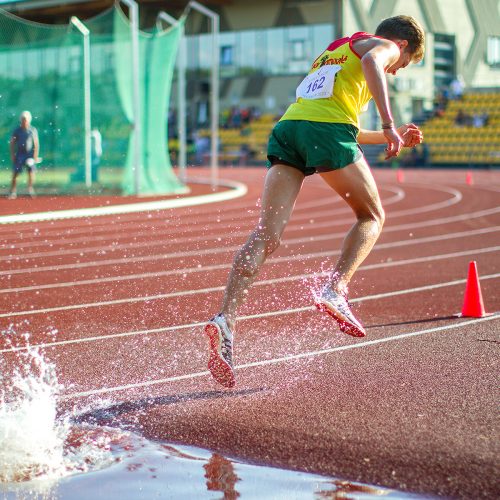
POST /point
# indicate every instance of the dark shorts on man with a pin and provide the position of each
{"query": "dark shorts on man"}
(24, 161)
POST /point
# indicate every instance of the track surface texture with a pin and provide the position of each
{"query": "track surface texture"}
(118, 303)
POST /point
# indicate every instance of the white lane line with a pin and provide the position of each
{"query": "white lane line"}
(118, 222)
(399, 193)
(218, 267)
(233, 248)
(237, 190)
(456, 198)
(251, 212)
(122, 220)
(235, 207)
(320, 214)
(121, 224)
(270, 314)
(147, 298)
(153, 240)
(295, 225)
(283, 359)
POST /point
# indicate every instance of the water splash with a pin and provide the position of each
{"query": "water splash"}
(31, 437)
(35, 442)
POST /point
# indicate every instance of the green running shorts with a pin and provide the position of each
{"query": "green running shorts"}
(313, 147)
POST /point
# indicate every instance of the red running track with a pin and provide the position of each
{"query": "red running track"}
(119, 302)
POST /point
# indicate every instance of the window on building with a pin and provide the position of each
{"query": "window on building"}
(226, 55)
(276, 59)
(247, 50)
(284, 50)
(298, 50)
(322, 35)
(493, 51)
(444, 59)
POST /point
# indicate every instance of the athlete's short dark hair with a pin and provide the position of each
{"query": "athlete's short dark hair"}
(404, 28)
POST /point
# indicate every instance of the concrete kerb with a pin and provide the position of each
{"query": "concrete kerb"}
(237, 190)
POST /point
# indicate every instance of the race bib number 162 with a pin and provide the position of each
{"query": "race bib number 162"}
(318, 85)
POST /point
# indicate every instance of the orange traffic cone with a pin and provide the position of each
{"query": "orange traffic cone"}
(400, 176)
(473, 301)
(469, 180)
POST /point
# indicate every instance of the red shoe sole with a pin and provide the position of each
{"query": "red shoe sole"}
(346, 328)
(219, 369)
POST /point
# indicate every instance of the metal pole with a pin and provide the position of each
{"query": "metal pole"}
(181, 94)
(167, 18)
(86, 93)
(214, 115)
(134, 28)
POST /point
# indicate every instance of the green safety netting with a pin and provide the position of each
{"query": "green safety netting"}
(42, 70)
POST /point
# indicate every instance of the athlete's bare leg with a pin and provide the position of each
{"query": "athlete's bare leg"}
(282, 185)
(355, 183)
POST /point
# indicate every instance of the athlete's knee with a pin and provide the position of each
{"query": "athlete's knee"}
(379, 216)
(375, 216)
(245, 264)
(270, 241)
(259, 246)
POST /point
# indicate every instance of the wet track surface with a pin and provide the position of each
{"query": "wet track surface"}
(119, 302)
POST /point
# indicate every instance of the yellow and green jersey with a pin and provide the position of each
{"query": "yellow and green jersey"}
(350, 94)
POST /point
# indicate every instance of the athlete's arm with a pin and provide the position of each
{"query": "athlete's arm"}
(374, 62)
(409, 133)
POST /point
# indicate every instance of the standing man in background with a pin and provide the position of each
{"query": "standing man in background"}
(24, 147)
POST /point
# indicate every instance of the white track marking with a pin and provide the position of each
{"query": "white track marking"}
(14, 253)
(218, 267)
(131, 219)
(120, 221)
(126, 233)
(330, 253)
(152, 240)
(282, 359)
(399, 194)
(269, 314)
(326, 201)
(207, 290)
(456, 198)
(237, 190)
(233, 248)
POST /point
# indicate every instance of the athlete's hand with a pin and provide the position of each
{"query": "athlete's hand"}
(410, 134)
(394, 142)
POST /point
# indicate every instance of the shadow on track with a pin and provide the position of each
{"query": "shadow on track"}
(108, 415)
(414, 322)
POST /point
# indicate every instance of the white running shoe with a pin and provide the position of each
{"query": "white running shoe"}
(335, 304)
(220, 362)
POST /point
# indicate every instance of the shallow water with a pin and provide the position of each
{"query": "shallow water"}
(145, 470)
(48, 455)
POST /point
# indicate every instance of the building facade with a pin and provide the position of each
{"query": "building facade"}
(266, 46)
